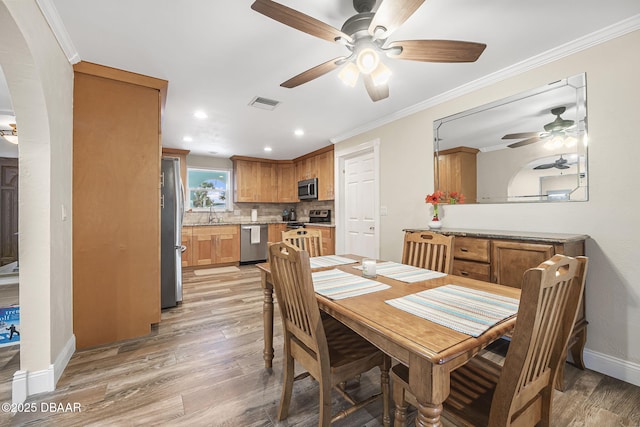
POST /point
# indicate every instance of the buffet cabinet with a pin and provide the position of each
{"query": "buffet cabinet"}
(503, 256)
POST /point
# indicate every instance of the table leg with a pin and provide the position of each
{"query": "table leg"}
(429, 383)
(267, 319)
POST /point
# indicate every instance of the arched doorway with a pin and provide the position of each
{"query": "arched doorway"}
(40, 80)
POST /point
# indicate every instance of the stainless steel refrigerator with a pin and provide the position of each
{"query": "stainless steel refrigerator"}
(172, 210)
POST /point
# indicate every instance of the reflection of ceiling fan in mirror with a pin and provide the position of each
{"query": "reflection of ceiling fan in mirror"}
(10, 135)
(365, 36)
(561, 163)
(552, 129)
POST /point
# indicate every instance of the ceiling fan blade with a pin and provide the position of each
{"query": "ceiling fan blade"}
(521, 135)
(298, 20)
(376, 93)
(391, 14)
(562, 167)
(547, 166)
(438, 50)
(525, 142)
(313, 73)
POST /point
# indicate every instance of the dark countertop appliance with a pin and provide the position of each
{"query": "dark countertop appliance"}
(320, 216)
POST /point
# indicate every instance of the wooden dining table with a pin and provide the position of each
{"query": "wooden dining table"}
(431, 351)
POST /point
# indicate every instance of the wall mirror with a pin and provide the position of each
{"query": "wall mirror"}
(530, 147)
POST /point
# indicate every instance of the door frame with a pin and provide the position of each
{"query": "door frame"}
(340, 155)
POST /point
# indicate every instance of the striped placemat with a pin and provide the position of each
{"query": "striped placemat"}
(404, 272)
(465, 310)
(337, 284)
(329, 261)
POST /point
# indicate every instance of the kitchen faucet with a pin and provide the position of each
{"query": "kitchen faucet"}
(212, 214)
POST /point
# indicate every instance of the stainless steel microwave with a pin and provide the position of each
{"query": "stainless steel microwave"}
(308, 189)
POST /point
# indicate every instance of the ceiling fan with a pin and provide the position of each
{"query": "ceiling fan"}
(561, 163)
(365, 36)
(554, 128)
(10, 135)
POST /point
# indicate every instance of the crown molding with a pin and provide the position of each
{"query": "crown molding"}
(608, 33)
(52, 17)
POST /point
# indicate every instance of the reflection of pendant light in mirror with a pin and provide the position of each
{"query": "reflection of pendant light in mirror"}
(560, 140)
(10, 135)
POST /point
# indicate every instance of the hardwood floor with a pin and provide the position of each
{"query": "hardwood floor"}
(203, 366)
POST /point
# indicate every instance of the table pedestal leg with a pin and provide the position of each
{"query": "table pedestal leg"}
(267, 319)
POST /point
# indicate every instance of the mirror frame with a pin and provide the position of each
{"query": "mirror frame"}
(530, 101)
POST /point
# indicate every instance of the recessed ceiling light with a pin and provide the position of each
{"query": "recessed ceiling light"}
(298, 132)
(187, 139)
(267, 149)
(200, 114)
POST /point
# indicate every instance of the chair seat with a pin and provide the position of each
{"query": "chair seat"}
(348, 350)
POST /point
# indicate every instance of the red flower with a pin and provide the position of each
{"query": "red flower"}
(435, 198)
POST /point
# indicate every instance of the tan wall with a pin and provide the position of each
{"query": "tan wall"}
(609, 217)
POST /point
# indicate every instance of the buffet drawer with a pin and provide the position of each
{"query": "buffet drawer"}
(471, 269)
(472, 249)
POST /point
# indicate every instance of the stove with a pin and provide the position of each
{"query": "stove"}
(320, 215)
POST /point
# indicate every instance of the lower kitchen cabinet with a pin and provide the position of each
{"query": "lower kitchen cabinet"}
(214, 244)
(275, 232)
(187, 254)
(328, 238)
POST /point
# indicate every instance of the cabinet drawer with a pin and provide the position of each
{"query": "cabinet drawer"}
(473, 270)
(472, 249)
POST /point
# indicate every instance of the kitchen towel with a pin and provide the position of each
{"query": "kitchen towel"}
(336, 284)
(255, 234)
(462, 309)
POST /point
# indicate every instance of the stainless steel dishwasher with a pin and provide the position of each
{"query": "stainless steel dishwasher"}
(253, 242)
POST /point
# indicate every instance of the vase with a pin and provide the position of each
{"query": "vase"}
(434, 223)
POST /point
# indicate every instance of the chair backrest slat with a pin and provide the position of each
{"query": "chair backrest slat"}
(428, 250)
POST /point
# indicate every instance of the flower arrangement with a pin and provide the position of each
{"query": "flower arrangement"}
(439, 197)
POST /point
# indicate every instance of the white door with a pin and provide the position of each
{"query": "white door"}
(360, 198)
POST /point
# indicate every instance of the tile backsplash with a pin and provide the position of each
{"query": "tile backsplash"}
(267, 212)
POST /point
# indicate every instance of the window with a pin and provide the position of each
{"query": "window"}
(209, 188)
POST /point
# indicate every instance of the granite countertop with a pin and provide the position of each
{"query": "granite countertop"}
(507, 234)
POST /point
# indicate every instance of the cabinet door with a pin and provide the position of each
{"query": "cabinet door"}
(512, 259)
(275, 232)
(203, 246)
(267, 190)
(307, 168)
(226, 248)
(325, 175)
(246, 180)
(287, 184)
(187, 255)
(328, 241)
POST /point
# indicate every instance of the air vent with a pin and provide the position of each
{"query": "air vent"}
(264, 103)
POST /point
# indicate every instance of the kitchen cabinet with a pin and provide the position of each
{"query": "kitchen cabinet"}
(328, 238)
(325, 167)
(215, 244)
(287, 184)
(245, 180)
(307, 168)
(503, 257)
(116, 226)
(456, 171)
(275, 232)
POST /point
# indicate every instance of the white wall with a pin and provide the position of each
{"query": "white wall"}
(610, 216)
(40, 80)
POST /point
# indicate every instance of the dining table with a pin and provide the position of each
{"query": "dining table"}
(429, 349)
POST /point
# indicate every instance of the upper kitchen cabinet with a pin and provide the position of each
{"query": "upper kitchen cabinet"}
(318, 164)
(287, 188)
(116, 203)
(456, 172)
(254, 180)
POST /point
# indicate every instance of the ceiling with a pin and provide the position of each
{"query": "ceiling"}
(218, 56)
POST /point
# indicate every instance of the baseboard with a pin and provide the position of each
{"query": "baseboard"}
(26, 383)
(617, 368)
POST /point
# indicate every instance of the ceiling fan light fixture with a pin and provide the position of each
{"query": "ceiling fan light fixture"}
(349, 74)
(367, 60)
(381, 74)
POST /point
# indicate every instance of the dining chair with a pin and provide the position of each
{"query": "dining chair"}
(520, 392)
(429, 250)
(329, 351)
(307, 240)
